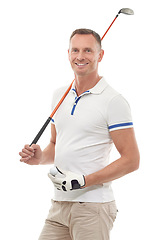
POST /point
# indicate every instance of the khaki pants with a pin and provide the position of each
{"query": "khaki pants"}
(79, 221)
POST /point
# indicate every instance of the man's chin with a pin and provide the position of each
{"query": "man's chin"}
(80, 73)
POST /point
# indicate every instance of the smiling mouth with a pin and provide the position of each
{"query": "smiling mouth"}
(81, 64)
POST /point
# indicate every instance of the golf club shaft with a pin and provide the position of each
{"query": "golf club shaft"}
(51, 116)
(109, 27)
(41, 131)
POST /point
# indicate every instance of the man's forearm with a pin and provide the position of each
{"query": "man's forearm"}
(48, 154)
(113, 171)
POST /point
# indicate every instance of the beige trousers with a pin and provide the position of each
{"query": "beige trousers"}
(79, 221)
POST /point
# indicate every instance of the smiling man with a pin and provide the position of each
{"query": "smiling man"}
(92, 117)
(85, 53)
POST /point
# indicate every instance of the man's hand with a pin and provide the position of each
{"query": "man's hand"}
(67, 181)
(31, 154)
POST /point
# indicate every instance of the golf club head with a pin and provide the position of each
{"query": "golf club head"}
(127, 11)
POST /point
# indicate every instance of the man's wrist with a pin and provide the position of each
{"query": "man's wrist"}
(86, 181)
(91, 180)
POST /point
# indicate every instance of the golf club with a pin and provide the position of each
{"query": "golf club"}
(127, 11)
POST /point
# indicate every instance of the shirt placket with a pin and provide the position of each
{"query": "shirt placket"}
(77, 98)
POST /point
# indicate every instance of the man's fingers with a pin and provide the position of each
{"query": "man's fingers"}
(29, 148)
(35, 147)
(31, 154)
(27, 152)
(23, 155)
(24, 159)
(51, 177)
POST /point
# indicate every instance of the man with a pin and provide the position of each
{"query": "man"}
(92, 117)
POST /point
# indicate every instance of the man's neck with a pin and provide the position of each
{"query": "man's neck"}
(84, 83)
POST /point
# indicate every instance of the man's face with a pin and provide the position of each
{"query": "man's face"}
(84, 54)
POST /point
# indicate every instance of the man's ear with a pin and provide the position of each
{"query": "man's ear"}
(68, 54)
(101, 54)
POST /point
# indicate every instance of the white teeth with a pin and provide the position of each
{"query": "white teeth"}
(80, 64)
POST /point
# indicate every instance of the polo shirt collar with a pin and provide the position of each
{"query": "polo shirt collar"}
(97, 89)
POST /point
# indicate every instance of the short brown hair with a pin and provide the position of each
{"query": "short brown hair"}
(87, 31)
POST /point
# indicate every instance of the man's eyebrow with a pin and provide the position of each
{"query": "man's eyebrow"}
(74, 48)
(86, 48)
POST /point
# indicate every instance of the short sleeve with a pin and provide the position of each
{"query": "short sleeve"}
(119, 114)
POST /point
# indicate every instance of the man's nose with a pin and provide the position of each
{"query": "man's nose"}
(80, 56)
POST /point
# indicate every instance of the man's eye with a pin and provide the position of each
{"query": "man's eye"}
(74, 50)
(88, 50)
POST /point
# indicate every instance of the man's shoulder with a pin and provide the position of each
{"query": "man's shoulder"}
(60, 91)
(109, 92)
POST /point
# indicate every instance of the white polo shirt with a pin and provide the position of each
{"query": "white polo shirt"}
(83, 143)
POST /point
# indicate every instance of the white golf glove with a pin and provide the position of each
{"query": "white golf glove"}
(66, 180)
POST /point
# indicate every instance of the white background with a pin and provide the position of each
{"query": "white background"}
(33, 63)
